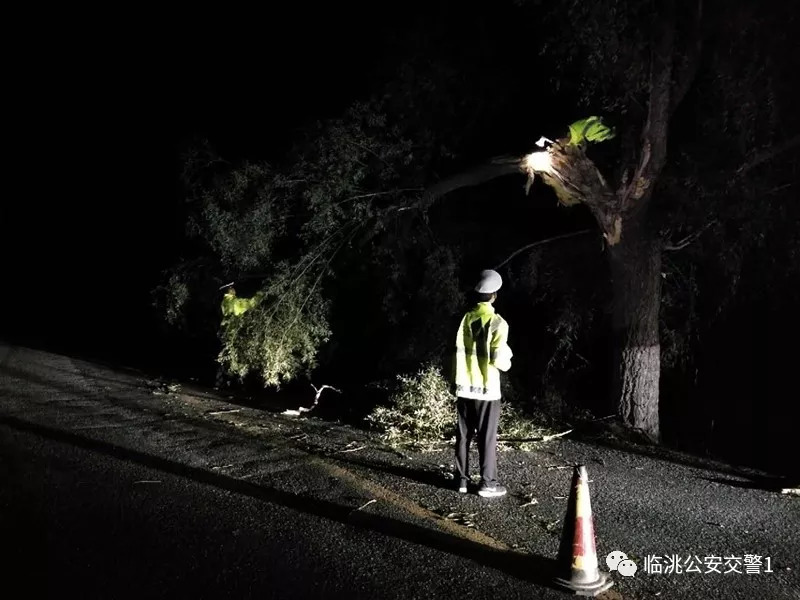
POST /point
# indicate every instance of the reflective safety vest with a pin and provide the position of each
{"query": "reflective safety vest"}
(481, 353)
(233, 306)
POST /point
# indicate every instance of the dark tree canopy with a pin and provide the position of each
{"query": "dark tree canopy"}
(365, 236)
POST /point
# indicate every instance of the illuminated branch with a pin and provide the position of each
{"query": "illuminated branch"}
(499, 167)
(302, 409)
(562, 166)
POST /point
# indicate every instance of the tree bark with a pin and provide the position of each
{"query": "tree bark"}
(636, 283)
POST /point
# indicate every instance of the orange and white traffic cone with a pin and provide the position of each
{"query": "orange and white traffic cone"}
(578, 570)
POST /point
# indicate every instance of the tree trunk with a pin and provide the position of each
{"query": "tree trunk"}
(636, 284)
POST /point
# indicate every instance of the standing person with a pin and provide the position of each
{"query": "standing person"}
(481, 352)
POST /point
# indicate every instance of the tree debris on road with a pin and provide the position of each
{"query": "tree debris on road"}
(301, 409)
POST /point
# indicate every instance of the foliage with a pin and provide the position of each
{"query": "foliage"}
(289, 230)
(420, 301)
(352, 274)
(733, 209)
(280, 336)
(601, 49)
(243, 217)
(333, 217)
(520, 428)
(564, 287)
(421, 412)
(176, 294)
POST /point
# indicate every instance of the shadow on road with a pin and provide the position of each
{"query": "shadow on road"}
(535, 569)
(665, 453)
(151, 381)
(770, 484)
(426, 476)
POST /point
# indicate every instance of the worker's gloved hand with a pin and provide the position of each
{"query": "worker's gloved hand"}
(590, 129)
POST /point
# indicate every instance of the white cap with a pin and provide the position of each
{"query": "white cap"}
(489, 283)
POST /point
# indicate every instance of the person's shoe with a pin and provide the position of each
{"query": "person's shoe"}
(462, 487)
(491, 490)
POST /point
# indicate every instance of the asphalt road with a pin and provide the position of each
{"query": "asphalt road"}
(115, 486)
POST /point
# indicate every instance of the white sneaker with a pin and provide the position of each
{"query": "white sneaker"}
(491, 491)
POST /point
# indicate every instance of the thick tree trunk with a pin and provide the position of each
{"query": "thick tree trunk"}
(636, 280)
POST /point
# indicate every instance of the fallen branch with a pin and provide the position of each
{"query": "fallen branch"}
(301, 409)
(225, 411)
(464, 519)
(376, 194)
(350, 449)
(363, 506)
(606, 418)
(545, 438)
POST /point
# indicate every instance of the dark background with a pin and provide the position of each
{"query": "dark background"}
(102, 105)
(103, 109)
(100, 118)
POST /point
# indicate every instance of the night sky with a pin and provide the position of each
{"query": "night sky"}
(102, 110)
(100, 105)
(100, 116)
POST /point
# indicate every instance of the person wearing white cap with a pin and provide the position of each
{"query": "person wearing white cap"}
(481, 353)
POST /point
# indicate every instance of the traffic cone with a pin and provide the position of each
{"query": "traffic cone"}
(577, 569)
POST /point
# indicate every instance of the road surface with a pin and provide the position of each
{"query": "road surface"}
(113, 485)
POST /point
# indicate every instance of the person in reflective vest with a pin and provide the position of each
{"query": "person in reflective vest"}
(481, 353)
(234, 306)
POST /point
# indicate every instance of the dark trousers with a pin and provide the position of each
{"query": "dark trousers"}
(479, 416)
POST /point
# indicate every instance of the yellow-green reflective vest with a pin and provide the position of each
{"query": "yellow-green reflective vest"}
(481, 353)
(233, 306)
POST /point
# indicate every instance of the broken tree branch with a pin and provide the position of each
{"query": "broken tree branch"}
(353, 449)
(576, 179)
(680, 245)
(319, 393)
(541, 242)
(562, 166)
(366, 504)
(301, 409)
(377, 194)
(545, 438)
(498, 167)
